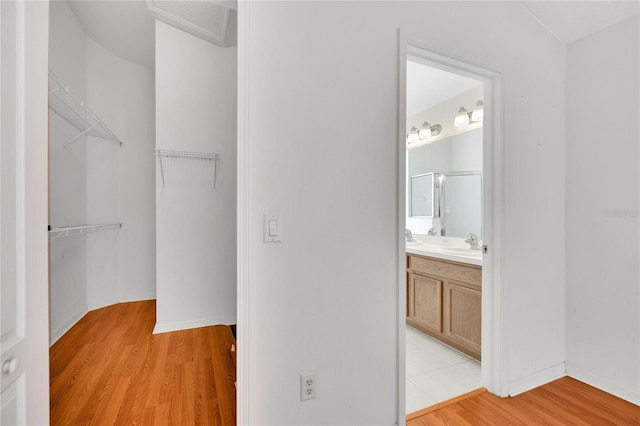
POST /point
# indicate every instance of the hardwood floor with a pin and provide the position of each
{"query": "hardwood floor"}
(563, 402)
(110, 369)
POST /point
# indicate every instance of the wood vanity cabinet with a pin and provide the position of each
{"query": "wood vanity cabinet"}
(444, 301)
(424, 306)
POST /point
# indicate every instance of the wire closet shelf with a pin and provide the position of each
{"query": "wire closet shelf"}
(72, 109)
(167, 153)
(69, 231)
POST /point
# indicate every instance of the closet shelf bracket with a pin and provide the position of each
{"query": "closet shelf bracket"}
(188, 154)
(73, 110)
(56, 232)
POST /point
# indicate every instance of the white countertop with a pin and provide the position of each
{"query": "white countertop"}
(439, 251)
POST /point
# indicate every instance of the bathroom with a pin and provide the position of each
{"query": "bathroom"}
(443, 235)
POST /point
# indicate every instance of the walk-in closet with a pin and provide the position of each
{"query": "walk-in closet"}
(142, 161)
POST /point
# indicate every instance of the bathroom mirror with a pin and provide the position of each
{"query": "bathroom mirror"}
(457, 161)
(422, 195)
(462, 199)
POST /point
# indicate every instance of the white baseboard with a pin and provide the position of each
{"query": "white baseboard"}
(60, 331)
(184, 325)
(138, 298)
(102, 304)
(111, 302)
(604, 384)
(537, 379)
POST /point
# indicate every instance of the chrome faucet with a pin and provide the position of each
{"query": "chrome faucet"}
(409, 236)
(432, 232)
(473, 242)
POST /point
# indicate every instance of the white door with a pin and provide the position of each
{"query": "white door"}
(24, 339)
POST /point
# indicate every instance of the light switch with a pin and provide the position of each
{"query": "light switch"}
(272, 228)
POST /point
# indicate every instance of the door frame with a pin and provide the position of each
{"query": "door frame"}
(494, 292)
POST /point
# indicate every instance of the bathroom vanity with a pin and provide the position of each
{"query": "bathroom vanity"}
(444, 299)
(444, 262)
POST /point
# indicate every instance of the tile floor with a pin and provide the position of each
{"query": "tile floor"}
(436, 372)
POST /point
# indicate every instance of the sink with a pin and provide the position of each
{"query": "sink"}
(413, 243)
(461, 251)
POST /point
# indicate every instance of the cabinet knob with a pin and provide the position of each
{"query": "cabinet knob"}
(10, 366)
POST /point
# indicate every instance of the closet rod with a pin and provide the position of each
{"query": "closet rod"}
(187, 154)
(76, 112)
(69, 231)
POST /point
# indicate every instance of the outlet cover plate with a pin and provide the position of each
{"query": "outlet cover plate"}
(308, 386)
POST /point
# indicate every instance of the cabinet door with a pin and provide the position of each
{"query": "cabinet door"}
(463, 315)
(425, 302)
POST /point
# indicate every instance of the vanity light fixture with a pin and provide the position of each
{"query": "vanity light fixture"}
(462, 119)
(478, 112)
(425, 131)
(413, 135)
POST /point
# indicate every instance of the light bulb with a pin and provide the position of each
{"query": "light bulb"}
(462, 119)
(413, 137)
(425, 131)
(478, 112)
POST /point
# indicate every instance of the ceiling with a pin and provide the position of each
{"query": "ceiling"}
(428, 87)
(127, 28)
(567, 21)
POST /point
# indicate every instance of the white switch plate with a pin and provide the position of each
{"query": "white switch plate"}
(272, 223)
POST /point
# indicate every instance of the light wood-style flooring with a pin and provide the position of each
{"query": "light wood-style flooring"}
(109, 369)
(562, 402)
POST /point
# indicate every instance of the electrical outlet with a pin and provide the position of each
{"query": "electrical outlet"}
(308, 386)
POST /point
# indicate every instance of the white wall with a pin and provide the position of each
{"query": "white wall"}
(93, 181)
(602, 180)
(67, 176)
(121, 264)
(321, 132)
(196, 223)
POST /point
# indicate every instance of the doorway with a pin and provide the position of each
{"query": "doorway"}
(444, 229)
(432, 224)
